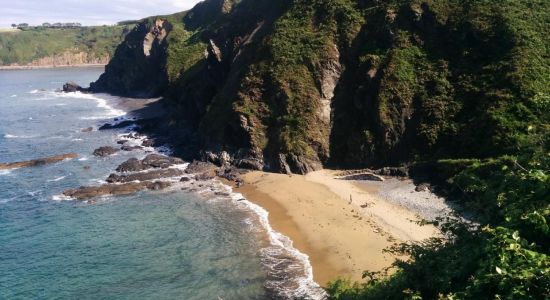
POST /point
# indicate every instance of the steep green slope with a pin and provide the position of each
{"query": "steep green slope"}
(31, 45)
(457, 90)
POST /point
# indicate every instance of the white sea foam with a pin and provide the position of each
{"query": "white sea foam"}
(13, 96)
(290, 274)
(306, 286)
(5, 172)
(62, 197)
(57, 179)
(13, 136)
(77, 140)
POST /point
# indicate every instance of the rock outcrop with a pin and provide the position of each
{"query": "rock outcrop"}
(105, 151)
(85, 193)
(71, 87)
(37, 162)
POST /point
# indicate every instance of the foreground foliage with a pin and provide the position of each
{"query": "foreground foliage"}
(503, 90)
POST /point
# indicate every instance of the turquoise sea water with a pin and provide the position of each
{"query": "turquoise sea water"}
(151, 245)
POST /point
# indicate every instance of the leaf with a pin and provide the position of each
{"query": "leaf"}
(515, 236)
(499, 271)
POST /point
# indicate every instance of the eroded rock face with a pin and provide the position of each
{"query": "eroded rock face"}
(37, 162)
(139, 66)
(330, 75)
(157, 35)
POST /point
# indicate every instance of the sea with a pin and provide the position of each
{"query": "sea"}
(180, 243)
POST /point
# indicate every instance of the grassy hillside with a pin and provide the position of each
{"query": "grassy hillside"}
(24, 47)
(459, 90)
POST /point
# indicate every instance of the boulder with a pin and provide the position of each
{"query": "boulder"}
(105, 151)
(89, 129)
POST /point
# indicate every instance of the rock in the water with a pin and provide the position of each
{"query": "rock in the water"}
(105, 151)
(117, 125)
(71, 87)
(37, 162)
(130, 148)
(89, 129)
(143, 176)
(149, 162)
(161, 161)
(148, 143)
(83, 193)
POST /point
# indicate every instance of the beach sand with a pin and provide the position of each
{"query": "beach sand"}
(342, 226)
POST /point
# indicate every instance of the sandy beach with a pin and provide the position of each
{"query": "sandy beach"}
(343, 226)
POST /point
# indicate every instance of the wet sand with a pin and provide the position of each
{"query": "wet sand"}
(343, 227)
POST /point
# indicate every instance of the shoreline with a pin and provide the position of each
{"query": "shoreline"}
(341, 238)
(3, 68)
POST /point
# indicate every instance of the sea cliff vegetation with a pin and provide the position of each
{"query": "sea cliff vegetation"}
(458, 91)
(46, 46)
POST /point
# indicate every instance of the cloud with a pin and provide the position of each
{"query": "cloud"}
(86, 12)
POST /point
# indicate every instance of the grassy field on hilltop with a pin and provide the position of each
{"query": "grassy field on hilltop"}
(24, 47)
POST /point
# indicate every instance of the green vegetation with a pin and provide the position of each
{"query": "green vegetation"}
(29, 45)
(478, 75)
(457, 88)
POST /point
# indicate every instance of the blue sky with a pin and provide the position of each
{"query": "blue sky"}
(87, 12)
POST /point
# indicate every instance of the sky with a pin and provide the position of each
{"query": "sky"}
(87, 12)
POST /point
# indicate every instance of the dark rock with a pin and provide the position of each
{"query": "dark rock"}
(149, 162)
(231, 174)
(252, 164)
(71, 87)
(161, 161)
(424, 187)
(131, 165)
(364, 176)
(148, 143)
(122, 142)
(117, 125)
(393, 171)
(84, 193)
(185, 179)
(204, 176)
(200, 167)
(89, 129)
(105, 151)
(143, 176)
(131, 148)
(37, 162)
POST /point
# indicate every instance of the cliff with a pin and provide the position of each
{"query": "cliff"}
(294, 85)
(456, 89)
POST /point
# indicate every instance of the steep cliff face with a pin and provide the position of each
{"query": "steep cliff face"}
(292, 85)
(138, 68)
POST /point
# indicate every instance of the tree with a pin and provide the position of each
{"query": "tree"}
(14, 25)
(46, 25)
